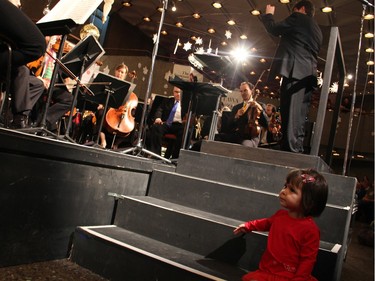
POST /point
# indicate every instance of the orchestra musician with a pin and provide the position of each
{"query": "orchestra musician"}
(125, 134)
(26, 40)
(168, 119)
(243, 124)
(27, 44)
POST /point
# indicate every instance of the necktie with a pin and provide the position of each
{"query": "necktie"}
(172, 113)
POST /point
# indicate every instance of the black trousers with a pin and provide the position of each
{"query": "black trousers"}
(295, 97)
(157, 133)
(62, 100)
(28, 43)
(26, 89)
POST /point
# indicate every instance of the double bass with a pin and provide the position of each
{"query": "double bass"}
(121, 120)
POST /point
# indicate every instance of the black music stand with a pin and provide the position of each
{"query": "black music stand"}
(110, 91)
(192, 91)
(138, 149)
(214, 66)
(77, 61)
(60, 27)
(219, 66)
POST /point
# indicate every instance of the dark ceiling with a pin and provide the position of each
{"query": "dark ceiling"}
(346, 15)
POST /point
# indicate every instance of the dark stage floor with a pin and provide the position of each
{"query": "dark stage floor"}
(359, 265)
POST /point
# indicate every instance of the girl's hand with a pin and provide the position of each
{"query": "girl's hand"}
(240, 229)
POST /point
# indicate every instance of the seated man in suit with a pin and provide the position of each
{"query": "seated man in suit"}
(168, 119)
(243, 122)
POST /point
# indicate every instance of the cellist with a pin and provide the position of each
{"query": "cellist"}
(124, 134)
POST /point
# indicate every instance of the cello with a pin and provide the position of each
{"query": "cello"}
(122, 120)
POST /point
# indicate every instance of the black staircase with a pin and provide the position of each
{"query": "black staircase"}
(182, 229)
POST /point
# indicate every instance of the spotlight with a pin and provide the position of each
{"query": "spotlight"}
(216, 5)
(255, 12)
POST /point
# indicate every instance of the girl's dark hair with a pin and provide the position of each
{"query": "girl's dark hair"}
(309, 7)
(314, 190)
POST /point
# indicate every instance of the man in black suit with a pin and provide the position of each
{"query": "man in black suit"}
(243, 124)
(168, 119)
(296, 61)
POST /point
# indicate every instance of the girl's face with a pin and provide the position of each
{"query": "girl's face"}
(121, 73)
(290, 198)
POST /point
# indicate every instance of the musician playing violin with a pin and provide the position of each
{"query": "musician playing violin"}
(243, 123)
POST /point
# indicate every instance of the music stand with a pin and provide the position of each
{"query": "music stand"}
(138, 149)
(191, 91)
(77, 61)
(221, 66)
(62, 27)
(110, 91)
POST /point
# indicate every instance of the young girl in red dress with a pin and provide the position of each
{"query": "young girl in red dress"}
(293, 240)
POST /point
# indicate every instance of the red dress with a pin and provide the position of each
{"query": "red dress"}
(291, 251)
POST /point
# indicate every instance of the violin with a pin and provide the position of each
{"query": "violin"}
(36, 66)
(121, 120)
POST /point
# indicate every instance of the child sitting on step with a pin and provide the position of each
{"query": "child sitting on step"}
(293, 240)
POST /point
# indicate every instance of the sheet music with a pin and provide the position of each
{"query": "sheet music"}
(77, 10)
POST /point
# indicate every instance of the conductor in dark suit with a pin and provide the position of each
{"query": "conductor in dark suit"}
(296, 61)
(168, 119)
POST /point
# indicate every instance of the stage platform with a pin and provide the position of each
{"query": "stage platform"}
(50, 186)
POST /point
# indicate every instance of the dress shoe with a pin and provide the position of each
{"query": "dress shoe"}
(20, 121)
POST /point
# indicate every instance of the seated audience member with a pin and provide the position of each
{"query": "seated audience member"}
(243, 122)
(168, 119)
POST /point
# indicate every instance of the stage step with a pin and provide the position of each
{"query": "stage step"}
(257, 175)
(119, 254)
(238, 202)
(153, 235)
(271, 156)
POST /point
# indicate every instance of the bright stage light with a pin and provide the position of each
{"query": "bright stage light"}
(240, 54)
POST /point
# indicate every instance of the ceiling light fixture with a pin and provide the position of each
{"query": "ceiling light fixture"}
(326, 9)
(127, 3)
(231, 22)
(369, 13)
(160, 9)
(370, 73)
(146, 19)
(243, 37)
(284, 1)
(369, 50)
(211, 30)
(179, 24)
(174, 9)
(370, 62)
(255, 12)
(216, 5)
(224, 43)
(196, 16)
(164, 32)
(369, 35)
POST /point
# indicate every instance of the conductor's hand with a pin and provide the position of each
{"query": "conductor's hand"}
(240, 229)
(158, 121)
(270, 9)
